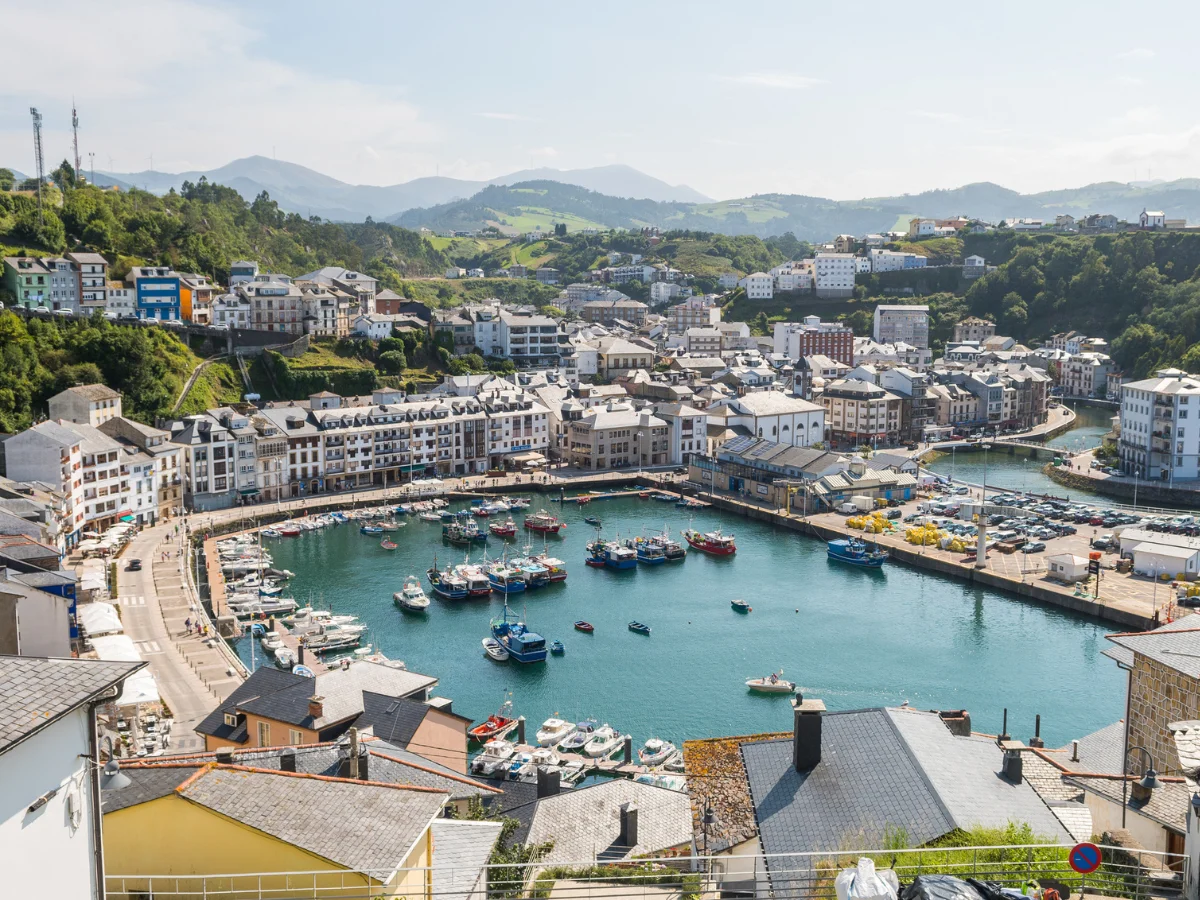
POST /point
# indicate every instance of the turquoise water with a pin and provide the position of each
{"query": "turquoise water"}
(850, 637)
(1016, 473)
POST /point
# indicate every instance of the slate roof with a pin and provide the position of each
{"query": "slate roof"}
(394, 719)
(146, 782)
(1176, 645)
(463, 848)
(264, 680)
(585, 824)
(359, 825)
(1168, 805)
(35, 692)
(884, 769)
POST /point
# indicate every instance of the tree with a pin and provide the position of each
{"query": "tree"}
(64, 175)
(392, 362)
(7, 179)
(560, 229)
(29, 184)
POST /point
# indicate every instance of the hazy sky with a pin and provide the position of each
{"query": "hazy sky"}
(836, 100)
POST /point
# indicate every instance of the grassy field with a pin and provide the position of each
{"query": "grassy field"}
(753, 210)
(901, 223)
(321, 356)
(534, 218)
(940, 251)
(456, 246)
(218, 385)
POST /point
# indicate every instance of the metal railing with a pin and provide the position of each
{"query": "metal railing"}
(1124, 872)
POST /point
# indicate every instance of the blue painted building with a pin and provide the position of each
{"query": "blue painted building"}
(156, 292)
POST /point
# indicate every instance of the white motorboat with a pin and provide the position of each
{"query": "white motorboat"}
(656, 751)
(496, 754)
(539, 758)
(519, 761)
(573, 770)
(307, 619)
(553, 732)
(604, 743)
(413, 596)
(577, 739)
(494, 649)
(429, 517)
(272, 641)
(285, 658)
(772, 684)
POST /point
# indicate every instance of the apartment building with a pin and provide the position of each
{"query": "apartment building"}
(196, 295)
(858, 412)
(894, 261)
(623, 274)
(694, 312)
(91, 272)
(812, 337)
(954, 406)
(728, 280)
(581, 293)
(616, 436)
(166, 471)
(973, 329)
(609, 312)
(909, 324)
(1086, 374)
(120, 301)
(277, 305)
(663, 292)
(242, 271)
(918, 410)
(834, 274)
(156, 291)
(758, 286)
(327, 311)
(616, 355)
(51, 453)
(88, 404)
(208, 454)
(703, 341)
(233, 310)
(63, 283)
(361, 287)
(687, 431)
(28, 281)
(794, 276)
(1160, 431)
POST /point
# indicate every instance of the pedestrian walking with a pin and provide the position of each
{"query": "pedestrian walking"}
(187, 625)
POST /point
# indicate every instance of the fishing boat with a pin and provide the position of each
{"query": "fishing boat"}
(577, 739)
(523, 645)
(555, 567)
(447, 583)
(497, 754)
(656, 751)
(543, 523)
(495, 650)
(596, 561)
(741, 606)
(612, 554)
(557, 648)
(671, 548)
(535, 574)
(388, 545)
(285, 658)
(772, 684)
(648, 553)
(856, 552)
(713, 542)
(457, 533)
(497, 725)
(482, 510)
(639, 627)
(370, 529)
(505, 529)
(289, 531)
(478, 583)
(592, 520)
(585, 627)
(505, 579)
(412, 597)
(604, 743)
(553, 732)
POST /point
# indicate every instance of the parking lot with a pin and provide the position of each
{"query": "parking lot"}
(1022, 532)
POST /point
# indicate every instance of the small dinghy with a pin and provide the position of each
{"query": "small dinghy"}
(494, 649)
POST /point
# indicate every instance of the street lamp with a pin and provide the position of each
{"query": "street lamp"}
(981, 540)
(637, 449)
(1144, 785)
(1137, 470)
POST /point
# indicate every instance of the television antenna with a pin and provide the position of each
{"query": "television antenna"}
(75, 136)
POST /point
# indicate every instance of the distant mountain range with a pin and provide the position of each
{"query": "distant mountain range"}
(302, 190)
(620, 196)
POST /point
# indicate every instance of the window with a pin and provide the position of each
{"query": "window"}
(264, 734)
(295, 737)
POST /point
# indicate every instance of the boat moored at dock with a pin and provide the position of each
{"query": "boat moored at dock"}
(856, 552)
(714, 542)
(523, 645)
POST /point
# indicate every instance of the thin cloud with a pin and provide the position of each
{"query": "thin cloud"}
(546, 152)
(1137, 53)
(504, 116)
(1138, 116)
(1128, 81)
(939, 116)
(788, 81)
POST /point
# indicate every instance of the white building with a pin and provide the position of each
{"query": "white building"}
(1152, 218)
(90, 404)
(862, 264)
(375, 326)
(1086, 375)
(664, 292)
(242, 271)
(120, 301)
(1160, 427)
(703, 341)
(51, 453)
(233, 310)
(728, 280)
(51, 773)
(909, 324)
(894, 261)
(759, 286)
(834, 274)
(687, 431)
(773, 415)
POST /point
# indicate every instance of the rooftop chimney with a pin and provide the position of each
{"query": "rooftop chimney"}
(806, 733)
(1036, 740)
(287, 760)
(225, 755)
(548, 781)
(957, 720)
(629, 825)
(316, 706)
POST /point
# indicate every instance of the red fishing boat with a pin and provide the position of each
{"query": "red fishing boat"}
(289, 531)
(507, 528)
(543, 522)
(497, 725)
(713, 542)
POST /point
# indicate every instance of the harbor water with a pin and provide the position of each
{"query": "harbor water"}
(850, 637)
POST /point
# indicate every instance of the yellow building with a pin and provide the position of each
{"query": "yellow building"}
(199, 830)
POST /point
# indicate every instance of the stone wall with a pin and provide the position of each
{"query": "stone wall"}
(1159, 695)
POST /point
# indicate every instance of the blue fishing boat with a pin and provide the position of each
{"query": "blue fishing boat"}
(648, 552)
(505, 579)
(639, 628)
(370, 529)
(557, 648)
(611, 554)
(856, 552)
(523, 645)
(447, 583)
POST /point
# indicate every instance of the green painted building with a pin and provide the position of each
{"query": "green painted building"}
(28, 281)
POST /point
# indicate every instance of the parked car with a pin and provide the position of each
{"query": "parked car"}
(1034, 547)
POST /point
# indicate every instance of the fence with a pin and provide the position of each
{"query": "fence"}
(1124, 872)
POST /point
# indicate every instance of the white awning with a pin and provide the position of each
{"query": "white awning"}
(140, 687)
(99, 618)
